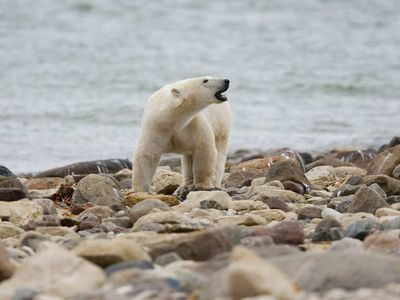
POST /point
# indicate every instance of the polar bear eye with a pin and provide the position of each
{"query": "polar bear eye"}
(205, 80)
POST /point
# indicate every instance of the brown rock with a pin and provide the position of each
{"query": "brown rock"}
(287, 170)
(11, 189)
(385, 162)
(286, 232)
(294, 187)
(367, 200)
(396, 172)
(390, 185)
(310, 212)
(273, 202)
(388, 243)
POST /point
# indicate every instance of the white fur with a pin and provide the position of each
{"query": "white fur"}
(186, 118)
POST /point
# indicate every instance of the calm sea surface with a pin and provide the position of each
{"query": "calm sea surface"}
(310, 74)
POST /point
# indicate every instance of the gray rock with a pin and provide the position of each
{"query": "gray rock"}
(346, 244)
(393, 199)
(327, 230)
(360, 229)
(344, 203)
(287, 170)
(367, 200)
(377, 188)
(144, 207)
(48, 206)
(167, 258)
(11, 189)
(98, 189)
(393, 224)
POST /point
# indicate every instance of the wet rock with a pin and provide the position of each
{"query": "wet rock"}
(309, 212)
(321, 176)
(44, 183)
(166, 182)
(205, 199)
(81, 169)
(349, 171)
(287, 170)
(8, 229)
(385, 161)
(390, 185)
(198, 246)
(146, 206)
(131, 199)
(71, 274)
(385, 243)
(327, 230)
(169, 221)
(20, 212)
(6, 268)
(347, 270)
(47, 205)
(360, 229)
(105, 252)
(275, 203)
(99, 190)
(285, 232)
(367, 200)
(11, 189)
(250, 275)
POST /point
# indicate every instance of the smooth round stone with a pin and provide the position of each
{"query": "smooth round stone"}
(330, 214)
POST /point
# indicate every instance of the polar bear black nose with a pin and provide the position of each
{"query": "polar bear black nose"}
(226, 81)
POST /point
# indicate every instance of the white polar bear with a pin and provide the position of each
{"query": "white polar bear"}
(190, 117)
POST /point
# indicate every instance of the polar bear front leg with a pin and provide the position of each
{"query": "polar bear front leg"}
(144, 167)
(204, 166)
(187, 169)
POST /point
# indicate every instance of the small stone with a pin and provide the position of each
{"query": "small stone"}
(343, 203)
(327, 230)
(89, 221)
(393, 224)
(248, 219)
(275, 203)
(376, 187)
(123, 174)
(321, 176)
(309, 212)
(349, 171)
(362, 228)
(346, 190)
(330, 214)
(167, 258)
(286, 232)
(287, 170)
(57, 231)
(245, 172)
(33, 239)
(346, 244)
(103, 212)
(243, 205)
(168, 221)
(367, 200)
(105, 252)
(250, 275)
(295, 187)
(131, 199)
(99, 190)
(144, 207)
(260, 193)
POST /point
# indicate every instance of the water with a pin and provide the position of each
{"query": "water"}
(312, 74)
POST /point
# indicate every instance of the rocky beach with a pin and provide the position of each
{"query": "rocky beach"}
(286, 225)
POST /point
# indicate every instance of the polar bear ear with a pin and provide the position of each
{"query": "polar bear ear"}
(175, 92)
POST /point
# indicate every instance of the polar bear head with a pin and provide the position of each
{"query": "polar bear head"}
(206, 90)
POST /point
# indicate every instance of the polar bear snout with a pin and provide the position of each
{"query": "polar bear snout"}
(224, 88)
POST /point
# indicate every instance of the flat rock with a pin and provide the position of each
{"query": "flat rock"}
(169, 221)
(99, 190)
(55, 271)
(349, 171)
(248, 219)
(367, 200)
(102, 212)
(146, 206)
(45, 183)
(285, 232)
(250, 275)
(130, 199)
(322, 176)
(21, 212)
(263, 192)
(105, 252)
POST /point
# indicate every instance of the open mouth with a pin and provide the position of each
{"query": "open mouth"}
(220, 96)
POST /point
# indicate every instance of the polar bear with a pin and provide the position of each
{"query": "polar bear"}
(189, 117)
